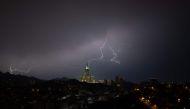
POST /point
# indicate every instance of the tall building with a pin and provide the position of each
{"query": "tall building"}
(87, 77)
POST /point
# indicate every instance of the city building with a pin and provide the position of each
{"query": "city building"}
(87, 76)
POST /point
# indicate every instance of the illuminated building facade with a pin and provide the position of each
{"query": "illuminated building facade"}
(87, 77)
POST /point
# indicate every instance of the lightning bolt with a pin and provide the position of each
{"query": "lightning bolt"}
(12, 69)
(114, 53)
(101, 48)
(101, 52)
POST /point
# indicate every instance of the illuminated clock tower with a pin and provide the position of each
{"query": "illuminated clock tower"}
(87, 77)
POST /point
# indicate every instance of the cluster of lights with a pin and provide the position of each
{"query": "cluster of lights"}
(136, 89)
(148, 103)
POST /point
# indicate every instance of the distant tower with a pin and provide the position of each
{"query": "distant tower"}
(87, 77)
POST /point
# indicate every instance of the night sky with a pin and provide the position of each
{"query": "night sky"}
(137, 40)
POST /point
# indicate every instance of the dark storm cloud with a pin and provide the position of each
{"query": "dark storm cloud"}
(57, 38)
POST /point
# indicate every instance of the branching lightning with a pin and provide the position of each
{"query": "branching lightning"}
(12, 69)
(101, 52)
(114, 53)
(102, 47)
